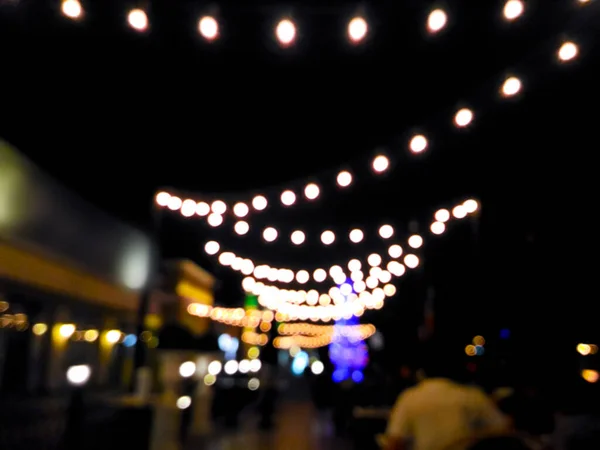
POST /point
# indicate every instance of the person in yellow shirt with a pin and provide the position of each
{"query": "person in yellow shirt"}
(442, 414)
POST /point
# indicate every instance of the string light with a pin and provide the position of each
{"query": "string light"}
(138, 20)
(513, 9)
(568, 51)
(327, 237)
(418, 144)
(72, 9)
(240, 209)
(285, 32)
(311, 191)
(241, 227)
(437, 20)
(357, 29)
(381, 164)
(208, 28)
(344, 179)
(259, 203)
(297, 237)
(511, 87)
(386, 231)
(270, 234)
(463, 117)
(288, 198)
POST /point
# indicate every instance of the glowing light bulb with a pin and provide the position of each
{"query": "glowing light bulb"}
(138, 20)
(285, 32)
(298, 237)
(357, 29)
(568, 51)
(344, 178)
(513, 9)
(208, 28)
(72, 9)
(418, 144)
(511, 87)
(437, 20)
(463, 117)
(381, 164)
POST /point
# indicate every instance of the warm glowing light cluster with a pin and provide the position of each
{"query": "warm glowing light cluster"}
(231, 316)
(308, 329)
(587, 349)
(254, 338)
(336, 273)
(312, 340)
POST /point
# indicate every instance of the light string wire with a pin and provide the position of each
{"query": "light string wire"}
(269, 191)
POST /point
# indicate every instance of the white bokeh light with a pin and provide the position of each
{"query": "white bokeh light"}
(380, 163)
(288, 198)
(259, 203)
(511, 86)
(513, 9)
(298, 237)
(188, 208)
(437, 20)
(463, 117)
(395, 251)
(442, 215)
(356, 235)
(470, 206)
(319, 275)
(354, 265)
(374, 260)
(415, 241)
(386, 231)
(162, 198)
(218, 207)
(437, 228)
(138, 20)
(174, 203)
(311, 191)
(568, 51)
(202, 209)
(241, 209)
(327, 237)
(344, 178)
(184, 402)
(212, 247)
(411, 261)
(214, 220)
(270, 234)
(72, 9)
(459, 212)
(418, 144)
(208, 28)
(187, 369)
(302, 276)
(241, 227)
(317, 367)
(357, 29)
(78, 375)
(285, 32)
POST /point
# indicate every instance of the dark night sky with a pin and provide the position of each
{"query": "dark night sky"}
(116, 115)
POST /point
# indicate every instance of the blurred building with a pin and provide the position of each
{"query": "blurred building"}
(70, 281)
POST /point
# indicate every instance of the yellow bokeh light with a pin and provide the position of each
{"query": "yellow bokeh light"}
(478, 340)
(584, 349)
(470, 350)
(91, 335)
(39, 329)
(591, 376)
